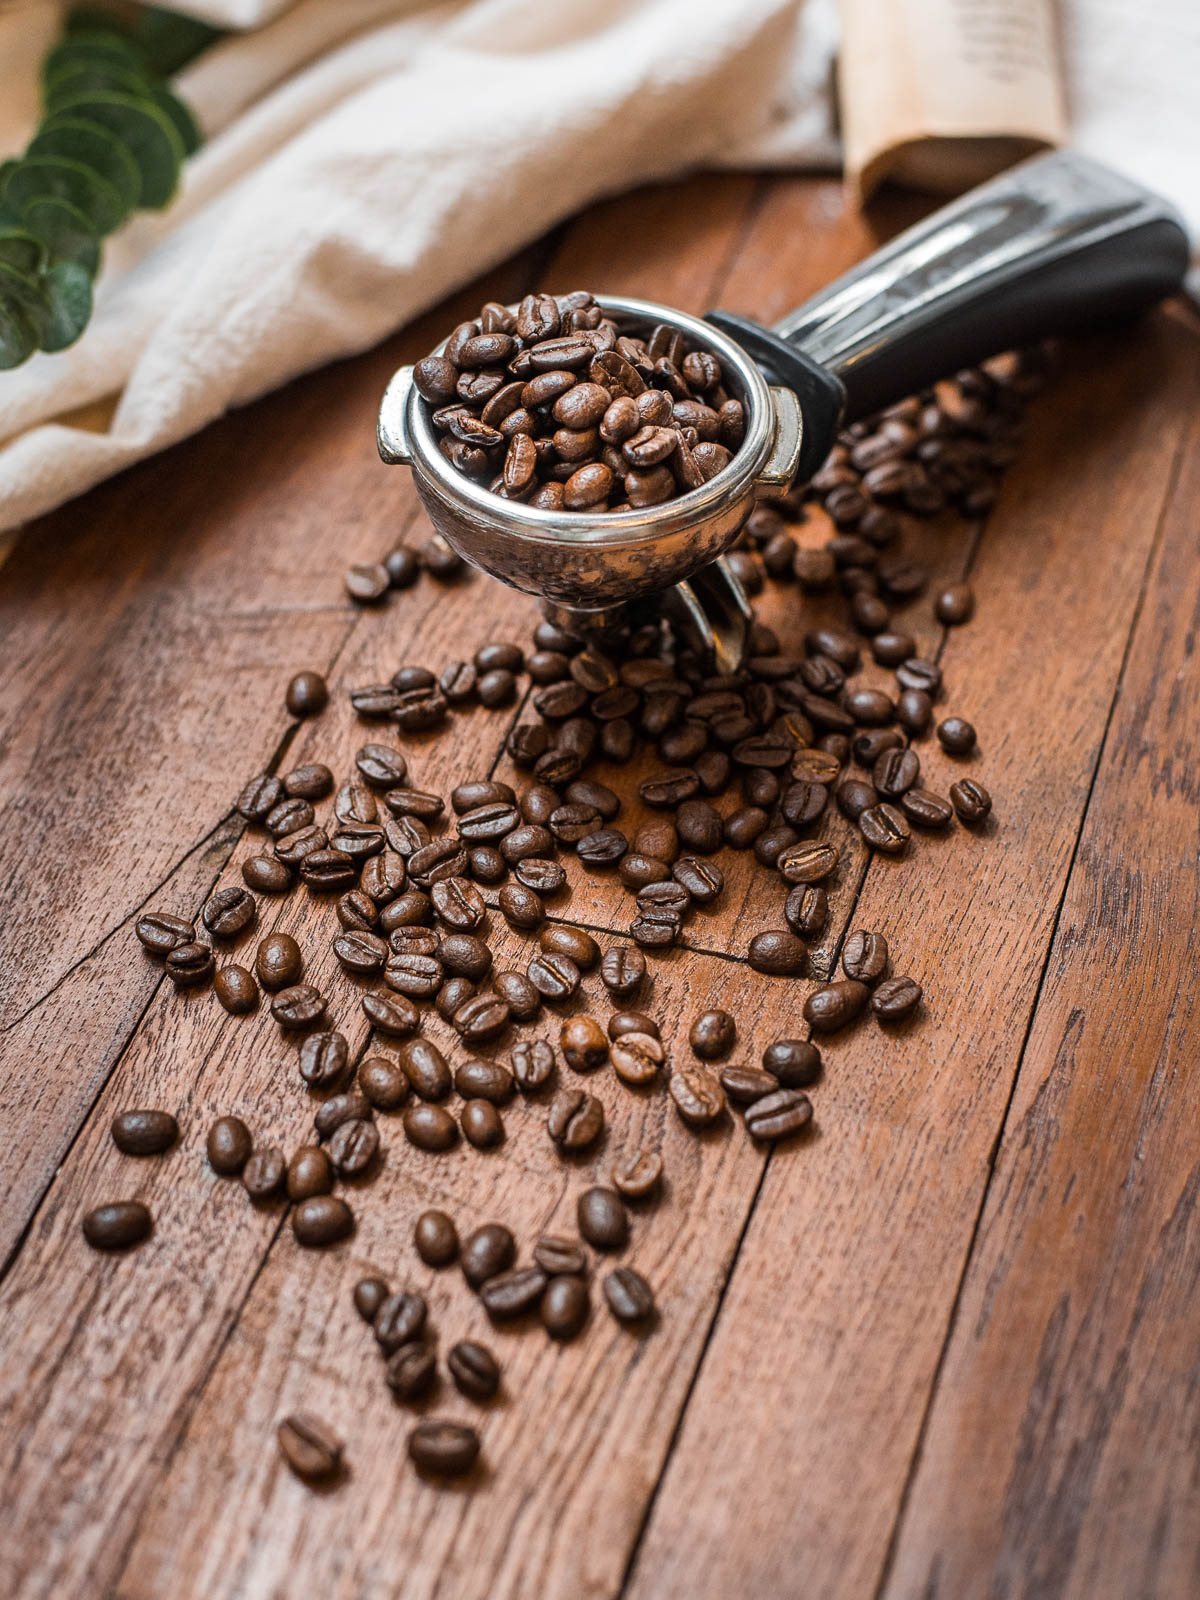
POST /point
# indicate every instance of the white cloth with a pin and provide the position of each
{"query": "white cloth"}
(366, 157)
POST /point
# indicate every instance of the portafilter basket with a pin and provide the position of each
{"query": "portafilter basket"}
(1056, 244)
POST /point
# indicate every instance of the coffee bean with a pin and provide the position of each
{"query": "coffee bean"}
(229, 912)
(630, 1298)
(955, 604)
(425, 1067)
(697, 1096)
(713, 1034)
(264, 1173)
(267, 875)
(865, 956)
(430, 1127)
(321, 1220)
(778, 952)
(583, 1044)
(144, 1133)
(869, 747)
(400, 1319)
(623, 1022)
(622, 971)
(352, 1106)
(307, 694)
(445, 1449)
(554, 976)
(914, 710)
(518, 994)
(579, 947)
(854, 797)
(778, 1115)
(299, 1006)
(474, 1368)
(411, 1371)
(603, 1220)
(289, 816)
(361, 952)
(638, 1174)
(487, 1252)
(916, 673)
(482, 1124)
(699, 826)
(482, 1018)
(793, 1063)
(295, 848)
(744, 1085)
(117, 1225)
(391, 1014)
(189, 964)
(309, 1172)
(260, 796)
(810, 861)
(513, 1294)
(895, 999)
(236, 989)
(411, 909)
(835, 1005)
(312, 781)
(532, 1064)
(353, 1147)
(896, 771)
(885, 829)
(484, 1080)
(560, 1257)
(228, 1146)
(309, 1446)
(413, 941)
(890, 649)
(926, 810)
(656, 928)
(278, 962)
(806, 910)
(417, 976)
(636, 871)
(369, 1295)
(743, 827)
(436, 1239)
(606, 847)
(544, 877)
(464, 955)
(956, 736)
(575, 1120)
(971, 800)
(637, 1058)
(565, 1307)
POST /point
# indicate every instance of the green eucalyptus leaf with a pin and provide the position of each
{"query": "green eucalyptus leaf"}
(83, 77)
(69, 289)
(22, 250)
(26, 292)
(92, 145)
(171, 40)
(151, 136)
(177, 113)
(18, 337)
(93, 49)
(38, 177)
(65, 232)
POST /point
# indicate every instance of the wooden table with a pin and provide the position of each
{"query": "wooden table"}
(946, 1347)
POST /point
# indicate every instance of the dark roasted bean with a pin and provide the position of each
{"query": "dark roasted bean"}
(309, 1172)
(307, 694)
(474, 1369)
(583, 1043)
(352, 1106)
(622, 971)
(744, 1085)
(482, 1124)
(321, 1220)
(865, 956)
(565, 1305)
(236, 989)
(369, 1295)
(793, 1063)
(267, 875)
(926, 810)
(144, 1133)
(630, 1298)
(560, 1257)
(835, 1005)
(895, 999)
(189, 964)
(602, 1218)
(622, 1022)
(425, 1068)
(353, 1147)
(228, 1146)
(713, 1034)
(360, 952)
(554, 976)
(436, 1239)
(854, 797)
(260, 796)
(443, 1449)
(697, 1096)
(411, 1371)
(778, 1115)
(806, 910)
(778, 952)
(970, 799)
(575, 1120)
(430, 1127)
(324, 1060)
(264, 1173)
(885, 829)
(638, 1174)
(532, 1064)
(400, 1319)
(383, 1082)
(391, 1013)
(229, 912)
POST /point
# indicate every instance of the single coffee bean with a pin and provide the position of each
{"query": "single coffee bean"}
(312, 781)
(815, 767)
(924, 809)
(532, 1065)
(513, 1294)
(236, 989)
(522, 908)
(638, 1174)
(352, 1106)
(697, 1096)
(869, 747)
(369, 1295)
(703, 880)
(384, 876)
(229, 912)
(896, 999)
(383, 1083)
(278, 962)
(487, 1252)
(260, 796)
(309, 1172)
(622, 971)
(793, 1063)
(361, 952)
(895, 771)
(602, 1218)
(956, 736)
(637, 1058)
(294, 849)
(713, 1034)
(300, 1006)
(854, 797)
(885, 829)
(554, 976)
(955, 604)
(575, 1120)
(189, 964)
(267, 875)
(835, 1005)
(144, 1133)
(630, 1298)
(806, 910)
(425, 1067)
(310, 1447)
(321, 1220)
(914, 710)
(353, 1147)
(544, 877)
(263, 1175)
(381, 766)
(411, 1371)
(228, 1146)
(415, 975)
(656, 928)
(971, 800)
(117, 1225)
(482, 1124)
(484, 1080)
(400, 1319)
(518, 994)
(392, 1014)
(778, 952)
(916, 673)
(474, 1368)
(430, 1127)
(865, 956)
(745, 826)
(413, 941)
(623, 1022)
(459, 904)
(485, 1016)
(778, 1115)
(436, 1239)
(464, 955)
(565, 1306)
(444, 1449)
(307, 694)
(578, 946)
(810, 861)
(744, 1085)
(583, 1044)
(559, 1257)
(288, 817)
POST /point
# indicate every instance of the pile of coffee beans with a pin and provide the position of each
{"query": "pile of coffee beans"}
(556, 405)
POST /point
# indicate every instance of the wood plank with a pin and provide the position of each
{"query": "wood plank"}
(814, 1383)
(1069, 1381)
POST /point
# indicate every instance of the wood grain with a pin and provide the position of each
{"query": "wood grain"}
(814, 1414)
(1069, 1382)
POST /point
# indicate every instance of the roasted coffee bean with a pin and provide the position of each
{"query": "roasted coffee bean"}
(356, 911)
(482, 1124)
(483, 1017)
(778, 952)
(324, 1060)
(267, 875)
(835, 1005)
(229, 912)
(307, 694)
(310, 1447)
(309, 1172)
(854, 797)
(117, 1225)
(465, 956)
(575, 1120)
(543, 877)
(810, 861)
(885, 829)
(391, 1014)
(484, 1080)
(400, 1319)
(622, 1022)
(522, 908)
(603, 848)
(352, 1106)
(443, 1449)
(697, 1096)
(358, 840)
(417, 976)
(744, 1085)
(869, 747)
(517, 993)
(622, 971)
(630, 1298)
(565, 1305)
(425, 1067)
(264, 1173)
(699, 826)
(637, 1058)
(411, 1371)
(865, 956)
(327, 871)
(971, 801)
(144, 1133)
(895, 999)
(778, 1115)
(294, 848)
(236, 989)
(289, 816)
(413, 941)
(668, 790)
(361, 952)
(793, 1063)
(560, 1257)
(914, 710)
(554, 976)
(638, 1174)
(636, 871)
(299, 1006)
(436, 1239)
(369, 1295)
(806, 910)
(916, 673)
(486, 865)
(384, 876)
(514, 1293)
(353, 1147)
(532, 1064)
(584, 1044)
(260, 796)
(487, 1252)
(815, 767)
(322, 1220)
(579, 947)
(416, 804)
(411, 909)
(312, 781)
(955, 604)
(956, 736)
(488, 822)
(602, 1218)
(712, 1035)
(926, 810)
(430, 1127)
(895, 772)
(525, 842)
(474, 1368)
(189, 964)
(278, 962)
(745, 826)
(228, 1146)
(381, 766)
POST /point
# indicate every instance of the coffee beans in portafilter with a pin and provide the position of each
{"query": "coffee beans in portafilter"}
(561, 407)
